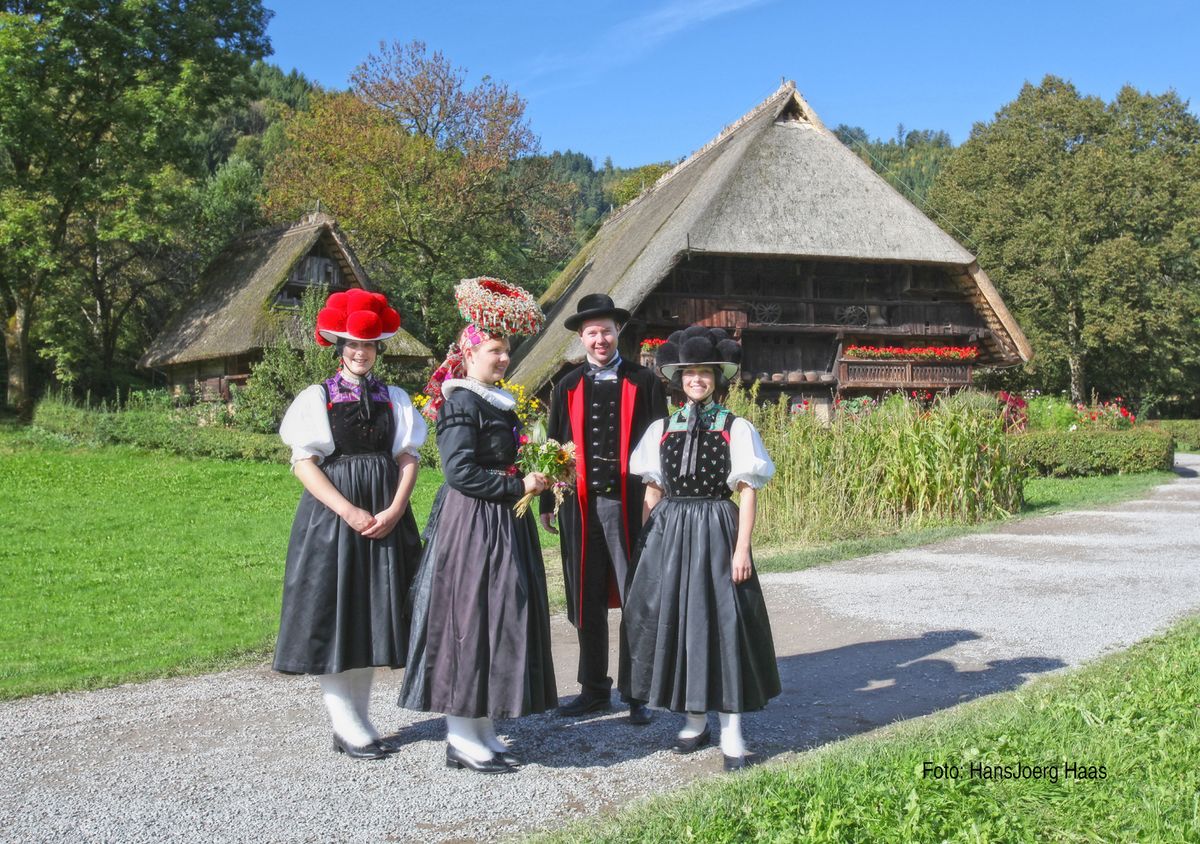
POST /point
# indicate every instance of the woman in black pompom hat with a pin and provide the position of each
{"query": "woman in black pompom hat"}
(699, 636)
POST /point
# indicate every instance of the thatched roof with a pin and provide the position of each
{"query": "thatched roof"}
(776, 183)
(231, 313)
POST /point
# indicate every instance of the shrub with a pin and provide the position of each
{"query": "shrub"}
(896, 466)
(1063, 454)
(175, 431)
(1050, 413)
(1185, 431)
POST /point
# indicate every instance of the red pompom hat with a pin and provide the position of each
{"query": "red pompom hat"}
(356, 315)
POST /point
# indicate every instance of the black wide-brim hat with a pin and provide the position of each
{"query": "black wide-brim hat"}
(595, 306)
(699, 345)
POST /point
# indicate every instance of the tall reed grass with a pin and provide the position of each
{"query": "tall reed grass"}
(900, 465)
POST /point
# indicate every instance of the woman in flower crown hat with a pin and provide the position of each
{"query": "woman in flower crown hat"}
(354, 544)
(480, 644)
(699, 637)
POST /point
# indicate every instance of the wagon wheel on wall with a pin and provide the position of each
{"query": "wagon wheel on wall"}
(851, 315)
(768, 313)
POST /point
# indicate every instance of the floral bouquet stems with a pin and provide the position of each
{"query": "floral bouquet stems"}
(550, 457)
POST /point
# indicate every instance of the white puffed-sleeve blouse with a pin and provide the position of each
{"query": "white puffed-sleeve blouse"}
(749, 462)
(305, 426)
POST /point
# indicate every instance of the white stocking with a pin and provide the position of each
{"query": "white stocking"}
(694, 725)
(731, 734)
(463, 734)
(338, 693)
(360, 684)
(487, 732)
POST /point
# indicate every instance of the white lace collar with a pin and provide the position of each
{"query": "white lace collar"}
(496, 397)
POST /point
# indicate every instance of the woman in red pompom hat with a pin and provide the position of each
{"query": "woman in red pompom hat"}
(354, 545)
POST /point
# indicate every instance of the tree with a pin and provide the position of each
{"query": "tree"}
(1087, 216)
(634, 183)
(100, 102)
(909, 162)
(437, 181)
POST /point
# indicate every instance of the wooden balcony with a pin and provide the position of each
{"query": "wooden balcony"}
(856, 373)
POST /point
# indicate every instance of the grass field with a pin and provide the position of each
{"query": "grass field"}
(121, 565)
(1116, 745)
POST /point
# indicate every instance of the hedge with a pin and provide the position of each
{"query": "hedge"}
(1064, 454)
(157, 431)
(173, 431)
(1186, 432)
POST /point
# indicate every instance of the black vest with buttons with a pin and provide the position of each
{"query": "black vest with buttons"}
(603, 433)
(712, 465)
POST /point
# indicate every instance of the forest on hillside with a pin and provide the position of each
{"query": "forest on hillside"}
(121, 177)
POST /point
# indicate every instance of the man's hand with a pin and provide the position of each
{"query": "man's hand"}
(548, 523)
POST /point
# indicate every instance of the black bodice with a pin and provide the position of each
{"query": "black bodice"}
(712, 465)
(354, 434)
(477, 443)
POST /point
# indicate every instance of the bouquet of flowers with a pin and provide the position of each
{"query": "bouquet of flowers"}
(556, 461)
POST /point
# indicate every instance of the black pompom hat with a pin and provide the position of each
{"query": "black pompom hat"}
(699, 345)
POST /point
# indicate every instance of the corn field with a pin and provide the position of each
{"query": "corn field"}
(898, 465)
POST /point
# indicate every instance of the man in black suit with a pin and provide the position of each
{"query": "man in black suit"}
(603, 406)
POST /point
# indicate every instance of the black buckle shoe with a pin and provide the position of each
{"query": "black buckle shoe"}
(739, 763)
(370, 751)
(692, 743)
(391, 744)
(584, 703)
(508, 759)
(639, 714)
(455, 758)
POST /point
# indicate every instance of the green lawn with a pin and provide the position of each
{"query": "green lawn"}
(1128, 727)
(121, 565)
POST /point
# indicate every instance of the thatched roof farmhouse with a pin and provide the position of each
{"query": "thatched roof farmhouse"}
(250, 293)
(778, 232)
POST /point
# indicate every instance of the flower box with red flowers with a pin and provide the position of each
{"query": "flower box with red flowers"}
(949, 354)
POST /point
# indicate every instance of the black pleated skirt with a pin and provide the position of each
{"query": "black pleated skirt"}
(697, 641)
(480, 643)
(344, 596)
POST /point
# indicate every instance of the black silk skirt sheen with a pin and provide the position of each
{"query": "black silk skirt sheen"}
(698, 642)
(344, 596)
(480, 644)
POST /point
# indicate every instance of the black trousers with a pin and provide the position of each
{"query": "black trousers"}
(607, 560)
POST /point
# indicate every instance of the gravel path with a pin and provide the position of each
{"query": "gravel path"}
(244, 755)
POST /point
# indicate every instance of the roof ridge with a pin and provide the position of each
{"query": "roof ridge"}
(787, 85)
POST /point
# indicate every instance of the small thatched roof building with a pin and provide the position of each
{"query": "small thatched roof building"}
(777, 231)
(251, 292)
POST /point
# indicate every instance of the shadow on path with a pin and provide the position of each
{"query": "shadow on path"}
(841, 692)
(827, 695)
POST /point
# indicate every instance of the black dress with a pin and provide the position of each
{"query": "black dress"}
(698, 642)
(343, 594)
(480, 643)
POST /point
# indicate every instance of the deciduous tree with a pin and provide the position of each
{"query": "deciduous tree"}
(1087, 216)
(435, 179)
(99, 104)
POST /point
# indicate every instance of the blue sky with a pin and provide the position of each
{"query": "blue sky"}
(654, 80)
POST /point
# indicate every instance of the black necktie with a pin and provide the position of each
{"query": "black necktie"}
(691, 440)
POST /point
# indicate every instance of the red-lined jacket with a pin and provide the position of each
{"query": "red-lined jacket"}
(642, 401)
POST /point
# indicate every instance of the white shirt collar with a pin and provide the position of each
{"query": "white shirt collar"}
(495, 396)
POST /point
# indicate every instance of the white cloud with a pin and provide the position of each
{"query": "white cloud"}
(627, 40)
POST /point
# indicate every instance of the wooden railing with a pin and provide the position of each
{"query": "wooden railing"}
(902, 373)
